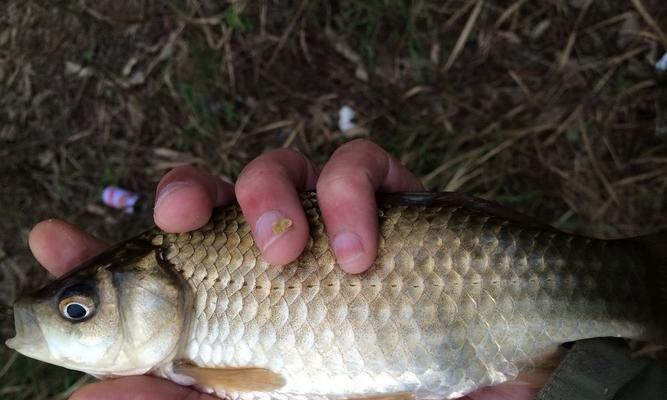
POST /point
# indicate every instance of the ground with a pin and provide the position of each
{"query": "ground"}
(554, 108)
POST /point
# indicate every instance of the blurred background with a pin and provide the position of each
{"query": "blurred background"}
(556, 108)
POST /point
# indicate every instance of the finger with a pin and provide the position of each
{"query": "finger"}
(267, 193)
(137, 388)
(346, 194)
(186, 196)
(60, 247)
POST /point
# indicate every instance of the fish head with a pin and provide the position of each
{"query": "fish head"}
(115, 318)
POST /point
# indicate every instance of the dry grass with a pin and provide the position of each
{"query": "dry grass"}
(552, 108)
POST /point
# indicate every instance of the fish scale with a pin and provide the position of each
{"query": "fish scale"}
(456, 300)
(463, 294)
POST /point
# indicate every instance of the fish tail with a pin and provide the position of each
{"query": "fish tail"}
(654, 249)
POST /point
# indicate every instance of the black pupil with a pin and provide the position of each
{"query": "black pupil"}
(75, 311)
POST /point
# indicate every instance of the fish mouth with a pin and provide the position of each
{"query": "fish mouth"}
(28, 338)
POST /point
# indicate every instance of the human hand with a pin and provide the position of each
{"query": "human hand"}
(266, 190)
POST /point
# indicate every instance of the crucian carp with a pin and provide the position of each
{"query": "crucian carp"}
(463, 294)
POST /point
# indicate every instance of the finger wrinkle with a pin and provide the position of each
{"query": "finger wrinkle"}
(276, 170)
(364, 154)
(344, 184)
(303, 175)
(179, 173)
(384, 171)
(171, 187)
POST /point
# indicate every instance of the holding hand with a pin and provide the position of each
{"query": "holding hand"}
(267, 191)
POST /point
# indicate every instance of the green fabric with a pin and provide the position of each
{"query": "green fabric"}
(602, 369)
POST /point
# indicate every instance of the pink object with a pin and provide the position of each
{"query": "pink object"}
(120, 198)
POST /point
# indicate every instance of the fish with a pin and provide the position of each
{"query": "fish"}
(464, 294)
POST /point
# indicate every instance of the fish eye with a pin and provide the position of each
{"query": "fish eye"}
(75, 311)
(76, 304)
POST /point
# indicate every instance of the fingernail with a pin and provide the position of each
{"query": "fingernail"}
(269, 227)
(169, 189)
(348, 247)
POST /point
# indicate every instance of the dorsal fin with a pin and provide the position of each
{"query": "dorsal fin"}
(233, 379)
(454, 199)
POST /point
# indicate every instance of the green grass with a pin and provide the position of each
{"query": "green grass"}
(22, 378)
(238, 21)
(376, 24)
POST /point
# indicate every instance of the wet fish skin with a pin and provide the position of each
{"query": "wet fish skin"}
(457, 299)
(463, 294)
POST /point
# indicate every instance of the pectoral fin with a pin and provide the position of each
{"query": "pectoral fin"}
(233, 379)
(540, 373)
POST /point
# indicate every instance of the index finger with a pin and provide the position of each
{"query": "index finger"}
(186, 197)
(346, 194)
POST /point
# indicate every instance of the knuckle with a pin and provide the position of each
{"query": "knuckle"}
(361, 154)
(249, 186)
(279, 165)
(273, 162)
(246, 189)
(345, 181)
(360, 144)
(186, 169)
(184, 173)
(278, 155)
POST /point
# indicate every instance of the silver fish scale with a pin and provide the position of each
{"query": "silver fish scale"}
(456, 300)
